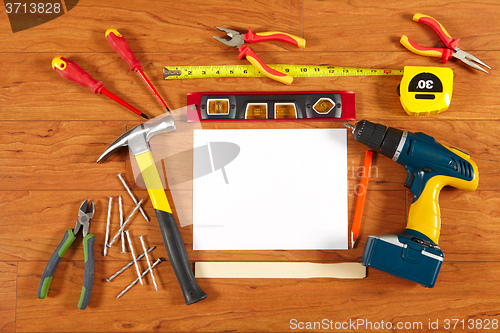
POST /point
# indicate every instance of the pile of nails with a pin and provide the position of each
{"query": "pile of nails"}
(122, 233)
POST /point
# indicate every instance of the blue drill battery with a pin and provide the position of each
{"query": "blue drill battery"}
(405, 255)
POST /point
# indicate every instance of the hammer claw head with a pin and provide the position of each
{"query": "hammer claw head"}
(137, 138)
(121, 142)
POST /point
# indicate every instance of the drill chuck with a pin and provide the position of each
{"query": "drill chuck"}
(378, 137)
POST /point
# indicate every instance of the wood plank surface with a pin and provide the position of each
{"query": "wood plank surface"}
(52, 131)
(8, 296)
(231, 305)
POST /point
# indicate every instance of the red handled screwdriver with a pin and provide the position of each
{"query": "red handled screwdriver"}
(71, 71)
(120, 45)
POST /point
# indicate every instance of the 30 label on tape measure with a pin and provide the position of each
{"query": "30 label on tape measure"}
(426, 90)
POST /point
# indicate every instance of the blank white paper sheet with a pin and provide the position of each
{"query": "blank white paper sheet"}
(283, 189)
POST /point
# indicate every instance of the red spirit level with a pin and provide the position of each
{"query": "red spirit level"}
(319, 105)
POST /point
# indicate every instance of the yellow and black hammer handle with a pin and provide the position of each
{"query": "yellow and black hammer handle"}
(172, 239)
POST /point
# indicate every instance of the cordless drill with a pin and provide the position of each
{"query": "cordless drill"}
(414, 254)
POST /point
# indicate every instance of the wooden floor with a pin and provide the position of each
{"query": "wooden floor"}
(52, 131)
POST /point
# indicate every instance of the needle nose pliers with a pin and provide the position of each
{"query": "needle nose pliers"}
(238, 40)
(85, 214)
(451, 49)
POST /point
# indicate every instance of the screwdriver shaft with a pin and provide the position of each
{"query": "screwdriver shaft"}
(120, 101)
(150, 85)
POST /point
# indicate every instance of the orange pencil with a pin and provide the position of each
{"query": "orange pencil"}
(360, 201)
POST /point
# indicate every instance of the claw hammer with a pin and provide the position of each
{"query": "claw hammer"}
(137, 139)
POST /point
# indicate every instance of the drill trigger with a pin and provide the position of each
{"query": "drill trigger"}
(410, 177)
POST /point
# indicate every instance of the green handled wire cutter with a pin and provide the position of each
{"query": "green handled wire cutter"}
(85, 214)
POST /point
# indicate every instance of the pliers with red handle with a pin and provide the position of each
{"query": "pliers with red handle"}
(451, 49)
(238, 40)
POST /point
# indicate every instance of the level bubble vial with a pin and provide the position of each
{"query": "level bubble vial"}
(218, 107)
(285, 111)
(256, 111)
(324, 105)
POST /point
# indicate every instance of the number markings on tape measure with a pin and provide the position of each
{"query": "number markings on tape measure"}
(199, 72)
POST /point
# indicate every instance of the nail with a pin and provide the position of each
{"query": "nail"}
(132, 196)
(125, 224)
(121, 223)
(128, 265)
(135, 282)
(107, 227)
(149, 263)
(133, 256)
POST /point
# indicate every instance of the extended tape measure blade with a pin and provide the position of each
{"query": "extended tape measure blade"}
(198, 72)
